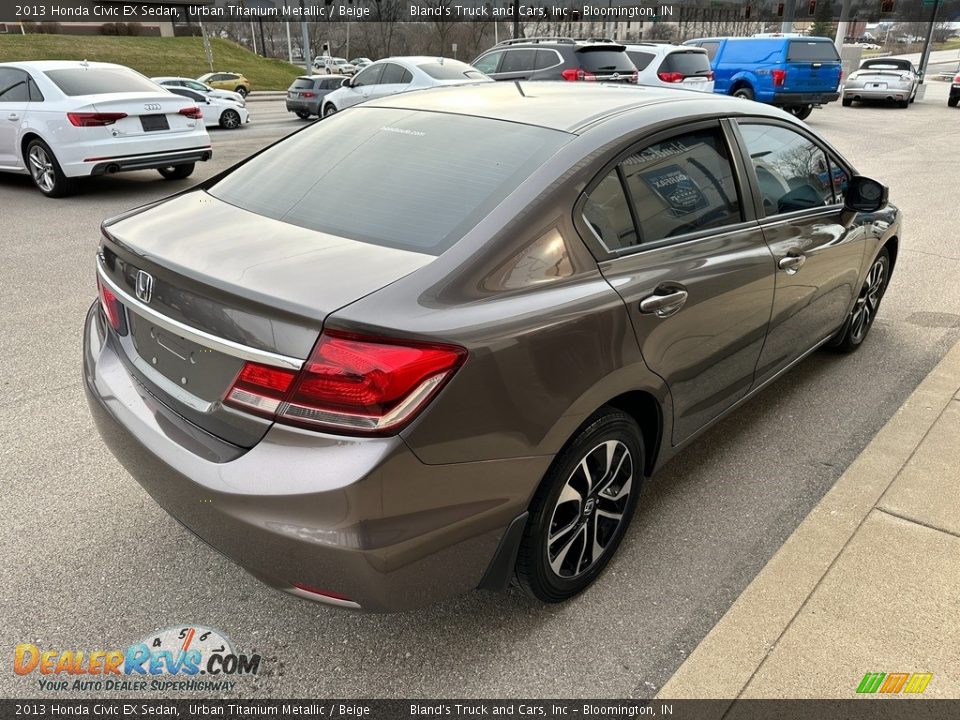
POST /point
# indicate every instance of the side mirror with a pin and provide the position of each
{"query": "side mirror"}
(864, 194)
(346, 83)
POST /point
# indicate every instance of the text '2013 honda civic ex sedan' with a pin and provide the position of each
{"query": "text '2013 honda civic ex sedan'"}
(438, 340)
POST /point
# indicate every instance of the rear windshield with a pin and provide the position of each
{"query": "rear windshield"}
(886, 65)
(692, 62)
(398, 178)
(302, 84)
(92, 81)
(599, 61)
(801, 50)
(451, 70)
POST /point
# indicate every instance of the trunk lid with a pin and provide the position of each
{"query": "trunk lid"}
(146, 113)
(227, 286)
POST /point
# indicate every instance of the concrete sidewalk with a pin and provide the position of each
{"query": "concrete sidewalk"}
(869, 582)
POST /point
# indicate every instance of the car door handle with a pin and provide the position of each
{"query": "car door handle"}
(664, 305)
(13, 116)
(792, 263)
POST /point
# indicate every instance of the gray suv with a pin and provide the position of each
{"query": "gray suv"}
(557, 58)
(439, 340)
(305, 96)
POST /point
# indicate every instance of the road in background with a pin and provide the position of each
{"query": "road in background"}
(90, 561)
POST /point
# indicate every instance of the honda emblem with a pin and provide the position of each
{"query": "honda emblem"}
(144, 287)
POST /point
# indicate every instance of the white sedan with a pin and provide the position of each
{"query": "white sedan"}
(63, 120)
(217, 111)
(397, 75)
(199, 87)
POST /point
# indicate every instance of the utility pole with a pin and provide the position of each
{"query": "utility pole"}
(842, 25)
(208, 51)
(289, 45)
(925, 55)
(516, 18)
(789, 13)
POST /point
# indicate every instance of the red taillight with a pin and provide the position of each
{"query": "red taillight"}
(324, 594)
(194, 113)
(957, 79)
(710, 75)
(779, 77)
(94, 119)
(635, 77)
(671, 77)
(578, 74)
(359, 384)
(110, 306)
(307, 94)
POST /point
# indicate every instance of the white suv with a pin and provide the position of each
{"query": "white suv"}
(663, 65)
(66, 119)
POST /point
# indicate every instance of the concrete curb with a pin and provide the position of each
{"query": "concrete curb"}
(724, 663)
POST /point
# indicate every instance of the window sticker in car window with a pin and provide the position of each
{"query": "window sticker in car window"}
(676, 188)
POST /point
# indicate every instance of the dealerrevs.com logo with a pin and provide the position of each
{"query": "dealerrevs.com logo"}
(189, 658)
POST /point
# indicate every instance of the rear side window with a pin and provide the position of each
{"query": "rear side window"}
(792, 172)
(687, 62)
(392, 74)
(546, 59)
(640, 59)
(711, 48)
(391, 177)
(13, 86)
(603, 61)
(804, 51)
(451, 70)
(94, 80)
(607, 213)
(682, 185)
(35, 94)
(518, 60)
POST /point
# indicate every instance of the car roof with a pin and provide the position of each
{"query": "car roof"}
(44, 65)
(569, 107)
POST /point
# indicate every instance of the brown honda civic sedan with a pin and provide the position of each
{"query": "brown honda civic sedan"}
(439, 340)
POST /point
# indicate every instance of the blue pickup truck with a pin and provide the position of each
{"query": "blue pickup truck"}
(795, 73)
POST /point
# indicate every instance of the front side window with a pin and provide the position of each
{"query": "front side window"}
(370, 76)
(489, 62)
(792, 171)
(682, 185)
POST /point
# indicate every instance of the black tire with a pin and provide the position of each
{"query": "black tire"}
(856, 327)
(329, 110)
(801, 112)
(242, 91)
(177, 172)
(744, 91)
(903, 104)
(45, 170)
(846, 102)
(229, 119)
(303, 114)
(560, 577)
(952, 102)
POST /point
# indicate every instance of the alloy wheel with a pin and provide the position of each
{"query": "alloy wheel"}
(41, 168)
(230, 119)
(865, 309)
(590, 509)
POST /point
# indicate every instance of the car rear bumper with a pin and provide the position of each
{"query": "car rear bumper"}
(889, 93)
(295, 105)
(361, 517)
(122, 163)
(804, 98)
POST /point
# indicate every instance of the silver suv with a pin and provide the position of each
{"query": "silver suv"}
(663, 65)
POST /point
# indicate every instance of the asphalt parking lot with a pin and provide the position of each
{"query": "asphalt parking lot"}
(90, 562)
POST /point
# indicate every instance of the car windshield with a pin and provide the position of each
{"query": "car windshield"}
(397, 178)
(96, 80)
(451, 70)
(805, 51)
